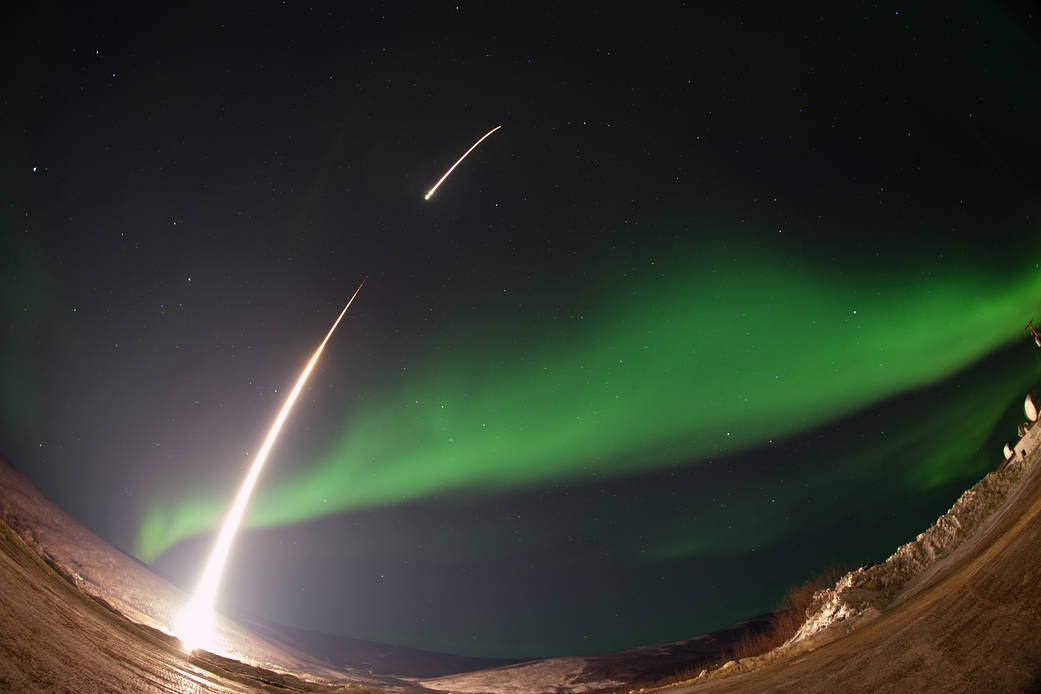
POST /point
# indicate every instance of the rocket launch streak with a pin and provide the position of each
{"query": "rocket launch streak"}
(472, 148)
(197, 624)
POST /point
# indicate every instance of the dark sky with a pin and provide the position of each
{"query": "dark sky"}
(737, 291)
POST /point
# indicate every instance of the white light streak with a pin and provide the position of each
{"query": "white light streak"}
(442, 179)
(196, 626)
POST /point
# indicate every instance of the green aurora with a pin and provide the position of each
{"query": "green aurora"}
(922, 442)
(682, 362)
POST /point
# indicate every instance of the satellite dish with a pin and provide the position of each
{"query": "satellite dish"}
(1030, 409)
(1007, 452)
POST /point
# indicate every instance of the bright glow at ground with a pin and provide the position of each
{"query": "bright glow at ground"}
(196, 626)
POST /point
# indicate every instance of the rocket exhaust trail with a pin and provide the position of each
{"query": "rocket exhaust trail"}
(442, 179)
(196, 626)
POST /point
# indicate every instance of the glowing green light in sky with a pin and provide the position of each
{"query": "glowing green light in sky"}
(697, 358)
(933, 438)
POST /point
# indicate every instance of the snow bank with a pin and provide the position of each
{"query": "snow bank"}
(872, 588)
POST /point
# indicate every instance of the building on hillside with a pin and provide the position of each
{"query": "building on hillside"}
(1029, 434)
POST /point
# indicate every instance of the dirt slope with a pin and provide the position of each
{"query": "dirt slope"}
(971, 622)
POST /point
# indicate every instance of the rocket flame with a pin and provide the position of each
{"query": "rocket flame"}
(472, 148)
(196, 626)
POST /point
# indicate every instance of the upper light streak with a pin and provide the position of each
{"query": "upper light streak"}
(472, 148)
(196, 625)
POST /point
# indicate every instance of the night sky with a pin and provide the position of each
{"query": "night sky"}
(737, 291)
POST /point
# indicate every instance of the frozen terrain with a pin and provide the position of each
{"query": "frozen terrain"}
(84, 566)
(958, 608)
(103, 572)
(871, 589)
